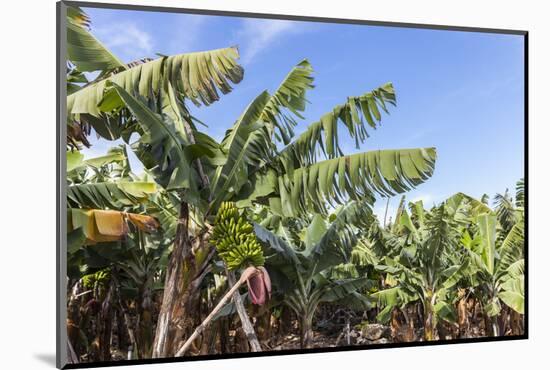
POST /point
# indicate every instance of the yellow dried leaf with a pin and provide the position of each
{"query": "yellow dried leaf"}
(110, 223)
(144, 222)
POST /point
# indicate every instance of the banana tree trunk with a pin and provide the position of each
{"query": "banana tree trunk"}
(145, 322)
(184, 274)
(409, 322)
(74, 317)
(121, 334)
(105, 324)
(285, 322)
(306, 335)
(463, 319)
(126, 316)
(495, 330)
(429, 322)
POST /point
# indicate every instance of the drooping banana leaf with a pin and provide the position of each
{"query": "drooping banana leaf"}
(113, 166)
(279, 252)
(357, 176)
(287, 103)
(511, 249)
(477, 207)
(513, 294)
(85, 51)
(194, 76)
(408, 278)
(77, 16)
(322, 136)
(513, 287)
(516, 269)
(109, 195)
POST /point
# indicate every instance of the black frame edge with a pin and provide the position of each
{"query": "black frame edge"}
(291, 352)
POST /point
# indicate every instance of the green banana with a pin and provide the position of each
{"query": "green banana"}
(96, 279)
(234, 238)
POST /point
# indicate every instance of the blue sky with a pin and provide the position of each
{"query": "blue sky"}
(460, 92)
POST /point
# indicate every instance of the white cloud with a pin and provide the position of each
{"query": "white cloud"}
(126, 39)
(261, 34)
(186, 33)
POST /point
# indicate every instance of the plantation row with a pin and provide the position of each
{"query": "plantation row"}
(265, 240)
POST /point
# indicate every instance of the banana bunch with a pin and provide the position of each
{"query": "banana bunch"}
(96, 279)
(234, 239)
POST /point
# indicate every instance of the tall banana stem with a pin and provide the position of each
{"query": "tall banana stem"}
(247, 326)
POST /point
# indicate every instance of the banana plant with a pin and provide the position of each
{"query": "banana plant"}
(513, 284)
(427, 267)
(302, 273)
(110, 227)
(498, 258)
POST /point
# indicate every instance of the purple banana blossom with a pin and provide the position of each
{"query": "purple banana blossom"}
(259, 286)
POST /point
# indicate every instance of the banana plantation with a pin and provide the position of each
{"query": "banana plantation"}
(266, 239)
